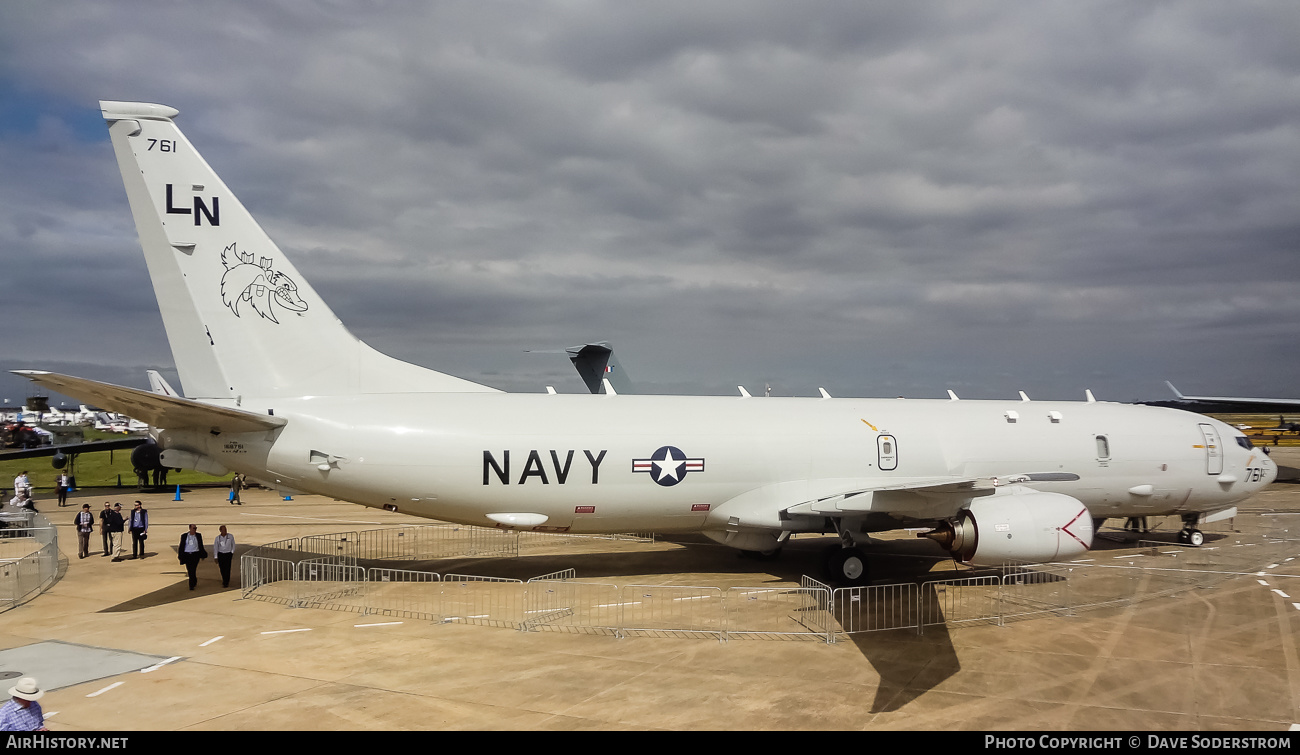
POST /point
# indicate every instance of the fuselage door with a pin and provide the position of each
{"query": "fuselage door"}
(887, 449)
(1213, 452)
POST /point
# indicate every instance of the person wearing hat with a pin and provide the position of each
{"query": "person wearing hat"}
(116, 526)
(22, 712)
(138, 523)
(85, 522)
(103, 524)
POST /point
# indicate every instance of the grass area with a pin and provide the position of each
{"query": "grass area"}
(98, 469)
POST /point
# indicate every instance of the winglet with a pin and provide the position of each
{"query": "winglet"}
(1175, 390)
(952, 396)
(609, 389)
(824, 393)
(1023, 397)
(1091, 399)
(744, 392)
(160, 385)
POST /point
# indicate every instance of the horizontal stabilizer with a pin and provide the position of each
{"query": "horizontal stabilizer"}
(167, 412)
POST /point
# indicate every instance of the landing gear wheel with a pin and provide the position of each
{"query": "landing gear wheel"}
(1182, 537)
(1195, 538)
(847, 566)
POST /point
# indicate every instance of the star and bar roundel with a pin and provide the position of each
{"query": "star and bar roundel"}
(668, 465)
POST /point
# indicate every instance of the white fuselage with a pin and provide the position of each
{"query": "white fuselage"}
(586, 462)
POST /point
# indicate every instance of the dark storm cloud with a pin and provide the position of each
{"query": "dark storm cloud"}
(881, 199)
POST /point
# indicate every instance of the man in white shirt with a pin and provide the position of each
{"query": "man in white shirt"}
(21, 484)
(225, 546)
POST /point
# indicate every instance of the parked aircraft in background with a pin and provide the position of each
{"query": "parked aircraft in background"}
(275, 387)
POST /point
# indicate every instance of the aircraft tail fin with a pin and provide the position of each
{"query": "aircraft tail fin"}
(597, 365)
(240, 319)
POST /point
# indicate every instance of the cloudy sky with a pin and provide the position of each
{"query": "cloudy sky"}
(879, 198)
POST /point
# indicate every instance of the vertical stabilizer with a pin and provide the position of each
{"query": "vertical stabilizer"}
(240, 319)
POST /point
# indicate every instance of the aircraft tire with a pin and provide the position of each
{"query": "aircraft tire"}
(1195, 538)
(848, 567)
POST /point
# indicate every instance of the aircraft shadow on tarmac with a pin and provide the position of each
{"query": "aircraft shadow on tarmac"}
(209, 581)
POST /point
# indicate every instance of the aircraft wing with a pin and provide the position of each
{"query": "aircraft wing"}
(867, 497)
(1236, 403)
(73, 448)
(171, 412)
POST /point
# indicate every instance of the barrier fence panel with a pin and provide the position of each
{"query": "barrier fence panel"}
(29, 555)
(563, 606)
(401, 593)
(1028, 592)
(334, 544)
(561, 575)
(22, 579)
(875, 608)
(19, 543)
(658, 610)
(271, 579)
(542, 540)
(777, 613)
(493, 601)
(960, 601)
(434, 541)
(331, 582)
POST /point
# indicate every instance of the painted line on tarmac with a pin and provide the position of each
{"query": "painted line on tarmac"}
(114, 685)
(214, 639)
(287, 631)
(1279, 592)
(380, 624)
(1262, 582)
(160, 664)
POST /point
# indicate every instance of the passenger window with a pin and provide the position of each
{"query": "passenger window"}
(1103, 447)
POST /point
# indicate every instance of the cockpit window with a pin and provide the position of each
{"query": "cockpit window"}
(1244, 442)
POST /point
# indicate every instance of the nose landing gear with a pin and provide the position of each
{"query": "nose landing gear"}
(1189, 534)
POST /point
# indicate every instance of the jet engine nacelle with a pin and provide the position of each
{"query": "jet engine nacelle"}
(1022, 525)
(146, 456)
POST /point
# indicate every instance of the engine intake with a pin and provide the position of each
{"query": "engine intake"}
(1020, 525)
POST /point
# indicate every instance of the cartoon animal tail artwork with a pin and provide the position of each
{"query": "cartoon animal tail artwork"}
(240, 319)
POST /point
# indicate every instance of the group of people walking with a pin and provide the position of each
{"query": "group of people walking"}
(112, 526)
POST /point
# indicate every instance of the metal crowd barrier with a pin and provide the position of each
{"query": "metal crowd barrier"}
(29, 555)
(324, 571)
(403, 594)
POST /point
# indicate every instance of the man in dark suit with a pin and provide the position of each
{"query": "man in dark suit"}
(190, 552)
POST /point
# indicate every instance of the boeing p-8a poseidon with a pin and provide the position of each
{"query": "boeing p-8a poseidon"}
(277, 388)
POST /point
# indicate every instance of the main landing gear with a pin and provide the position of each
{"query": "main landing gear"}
(1189, 535)
(846, 566)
